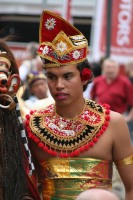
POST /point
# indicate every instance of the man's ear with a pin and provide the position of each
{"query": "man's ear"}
(84, 82)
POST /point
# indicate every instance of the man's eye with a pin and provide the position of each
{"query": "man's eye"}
(68, 76)
(51, 77)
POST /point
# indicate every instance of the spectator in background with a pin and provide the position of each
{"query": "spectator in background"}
(129, 70)
(39, 95)
(37, 86)
(31, 63)
(113, 89)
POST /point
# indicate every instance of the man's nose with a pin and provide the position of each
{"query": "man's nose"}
(59, 84)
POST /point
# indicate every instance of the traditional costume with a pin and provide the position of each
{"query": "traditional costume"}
(65, 174)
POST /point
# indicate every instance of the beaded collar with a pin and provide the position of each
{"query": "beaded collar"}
(67, 137)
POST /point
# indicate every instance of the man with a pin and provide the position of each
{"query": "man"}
(97, 194)
(38, 93)
(37, 86)
(74, 141)
(114, 89)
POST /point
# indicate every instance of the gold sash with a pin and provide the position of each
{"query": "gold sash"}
(67, 178)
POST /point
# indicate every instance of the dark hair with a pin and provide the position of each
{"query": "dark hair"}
(81, 66)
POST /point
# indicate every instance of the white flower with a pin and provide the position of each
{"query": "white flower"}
(76, 54)
(61, 46)
(50, 23)
(45, 50)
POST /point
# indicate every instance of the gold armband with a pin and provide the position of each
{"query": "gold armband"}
(125, 161)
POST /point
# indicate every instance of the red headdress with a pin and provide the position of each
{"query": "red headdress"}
(60, 42)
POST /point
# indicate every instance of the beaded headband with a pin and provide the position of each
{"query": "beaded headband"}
(60, 42)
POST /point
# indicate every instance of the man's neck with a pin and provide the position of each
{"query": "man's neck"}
(71, 110)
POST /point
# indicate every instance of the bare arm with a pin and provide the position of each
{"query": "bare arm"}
(122, 148)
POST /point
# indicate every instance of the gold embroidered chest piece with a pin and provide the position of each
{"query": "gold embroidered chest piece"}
(68, 137)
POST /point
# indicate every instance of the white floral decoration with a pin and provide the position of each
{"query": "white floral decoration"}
(61, 46)
(50, 23)
(76, 54)
(45, 50)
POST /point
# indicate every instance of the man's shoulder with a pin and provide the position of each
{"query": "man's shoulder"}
(116, 117)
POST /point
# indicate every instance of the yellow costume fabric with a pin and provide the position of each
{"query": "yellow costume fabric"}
(67, 178)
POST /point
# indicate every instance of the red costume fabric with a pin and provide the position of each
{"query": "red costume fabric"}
(118, 94)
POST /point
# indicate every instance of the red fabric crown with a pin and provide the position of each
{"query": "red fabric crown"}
(60, 42)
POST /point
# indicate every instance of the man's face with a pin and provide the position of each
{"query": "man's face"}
(65, 84)
(110, 69)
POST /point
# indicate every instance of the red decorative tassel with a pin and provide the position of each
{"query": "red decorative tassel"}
(65, 155)
(29, 135)
(107, 112)
(98, 134)
(86, 147)
(27, 116)
(106, 124)
(37, 140)
(107, 118)
(50, 151)
(41, 145)
(76, 152)
(61, 155)
(91, 144)
(45, 148)
(31, 112)
(54, 153)
(81, 149)
(26, 122)
(71, 154)
(101, 131)
(104, 127)
(95, 139)
(33, 137)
